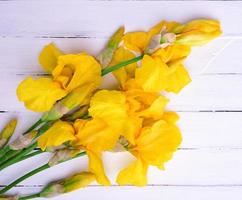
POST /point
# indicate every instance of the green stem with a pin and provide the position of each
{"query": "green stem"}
(18, 156)
(36, 124)
(10, 154)
(33, 172)
(32, 196)
(35, 153)
(5, 149)
(122, 64)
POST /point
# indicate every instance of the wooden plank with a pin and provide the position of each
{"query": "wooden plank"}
(147, 193)
(206, 93)
(20, 55)
(200, 130)
(188, 167)
(100, 18)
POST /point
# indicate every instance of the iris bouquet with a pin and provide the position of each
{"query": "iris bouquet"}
(81, 119)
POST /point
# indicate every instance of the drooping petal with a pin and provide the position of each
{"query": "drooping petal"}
(170, 117)
(59, 133)
(96, 167)
(178, 79)
(39, 95)
(134, 174)
(73, 71)
(152, 74)
(48, 57)
(157, 144)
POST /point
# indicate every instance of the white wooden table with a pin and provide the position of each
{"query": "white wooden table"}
(209, 163)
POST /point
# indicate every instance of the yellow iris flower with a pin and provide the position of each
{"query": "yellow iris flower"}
(93, 136)
(154, 145)
(59, 133)
(69, 72)
(126, 110)
(163, 70)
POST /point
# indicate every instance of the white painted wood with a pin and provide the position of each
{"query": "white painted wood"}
(26, 50)
(148, 193)
(207, 165)
(206, 92)
(100, 18)
(200, 130)
(188, 167)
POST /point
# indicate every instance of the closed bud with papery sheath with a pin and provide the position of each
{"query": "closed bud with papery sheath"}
(23, 141)
(9, 197)
(62, 155)
(69, 184)
(7, 132)
(106, 55)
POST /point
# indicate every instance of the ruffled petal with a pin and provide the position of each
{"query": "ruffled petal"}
(109, 106)
(157, 144)
(48, 57)
(134, 174)
(73, 71)
(96, 167)
(59, 133)
(96, 135)
(39, 95)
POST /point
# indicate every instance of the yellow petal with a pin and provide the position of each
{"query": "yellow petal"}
(39, 95)
(156, 109)
(48, 57)
(163, 26)
(170, 117)
(134, 174)
(156, 144)
(73, 71)
(59, 133)
(136, 41)
(79, 96)
(172, 53)
(178, 79)
(198, 32)
(96, 135)
(124, 73)
(109, 106)
(152, 74)
(96, 167)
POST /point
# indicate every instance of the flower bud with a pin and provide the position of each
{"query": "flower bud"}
(7, 132)
(198, 32)
(23, 141)
(67, 185)
(106, 55)
(62, 155)
(9, 197)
